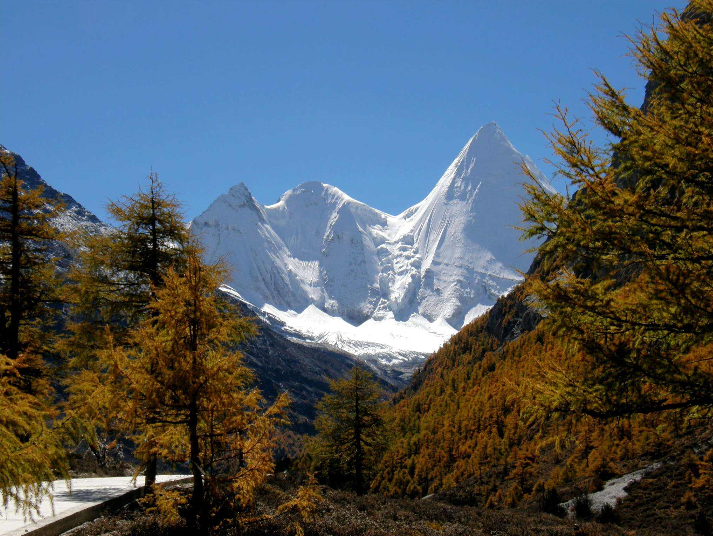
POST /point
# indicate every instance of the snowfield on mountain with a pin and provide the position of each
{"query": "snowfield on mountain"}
(388, 289)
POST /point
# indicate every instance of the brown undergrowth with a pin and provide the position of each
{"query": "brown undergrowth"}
(341, 513)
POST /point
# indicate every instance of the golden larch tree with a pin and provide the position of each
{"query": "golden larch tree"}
(31, 453)
(115, 280)
(628, 260)
(184, 369)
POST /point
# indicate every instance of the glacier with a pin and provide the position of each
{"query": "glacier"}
(323, 267)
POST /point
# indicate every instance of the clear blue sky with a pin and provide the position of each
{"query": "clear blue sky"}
(376, 98)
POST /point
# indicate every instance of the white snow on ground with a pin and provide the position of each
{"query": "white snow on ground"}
(84, 492)
(475, 312)
(614, 490)
(379, 278)
(415, 336)
(383, 342)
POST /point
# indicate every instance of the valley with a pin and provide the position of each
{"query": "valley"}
(526, 350)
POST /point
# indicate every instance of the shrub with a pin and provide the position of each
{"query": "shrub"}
(582, 507)
(608, 514)
(513, 496)
(550, 502)
(689, 501)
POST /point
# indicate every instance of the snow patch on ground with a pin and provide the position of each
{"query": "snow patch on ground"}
(82, 493)
(614, 490)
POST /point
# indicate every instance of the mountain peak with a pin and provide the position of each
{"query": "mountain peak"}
(308, 191)
(491, 131)
(439, 263)
(312, 185)
(310, 188)
(318, 187)
(491, 127)
(240, 191)
(490, 136)
(488, 151)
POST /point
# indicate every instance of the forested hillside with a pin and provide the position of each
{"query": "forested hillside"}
(478, 417)
(600, 363)
(581, 403)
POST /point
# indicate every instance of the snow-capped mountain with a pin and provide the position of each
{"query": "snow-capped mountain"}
(74, 219)
(279, 364)
(331, 269)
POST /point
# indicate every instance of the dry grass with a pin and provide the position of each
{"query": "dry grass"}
(654, 508)
(664, 502)
(345, 514)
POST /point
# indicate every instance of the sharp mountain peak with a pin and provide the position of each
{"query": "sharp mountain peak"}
(432, 267)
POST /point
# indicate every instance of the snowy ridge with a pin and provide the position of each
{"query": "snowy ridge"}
(73, 219)
(398, 346)
(386, 341)
(386, 288)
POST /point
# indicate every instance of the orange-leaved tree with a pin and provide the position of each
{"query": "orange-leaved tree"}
(628, 260)
(31, 452)
(184, 381)
(117, 276)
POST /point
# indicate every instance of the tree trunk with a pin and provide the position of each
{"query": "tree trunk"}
(358, 458)
(150, 473)
(198, 492)
(153, 267)
(152, 463)
(13, 341)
